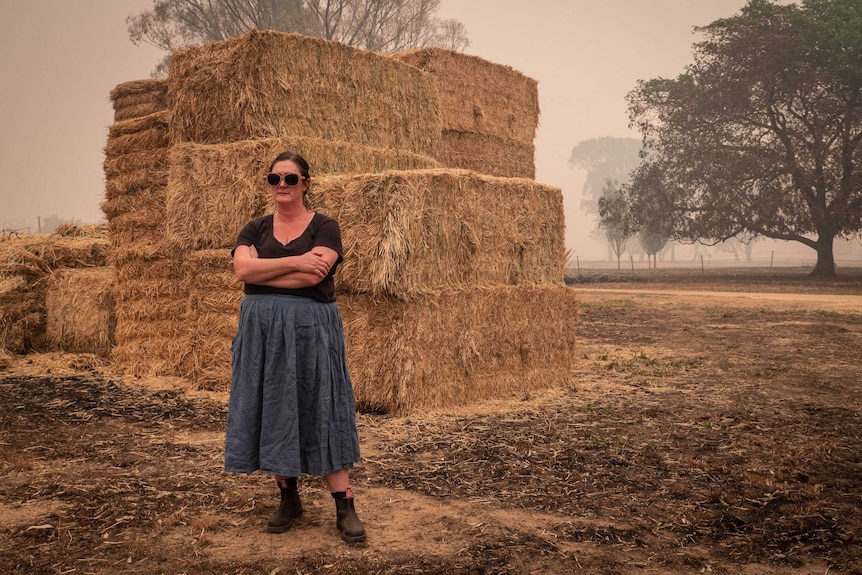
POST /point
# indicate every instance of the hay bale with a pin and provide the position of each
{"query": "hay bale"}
(139, 98)
(34, 256)
(233, 176)
(80, 310)
(477, 96)
(22, 321)
(154, 160)
(130, 183)
(487, 154)
(149, 349)
(446, 349)
(406, 234)
(138, 135)
(187, 306)
(149, 92)
(456, 347)
(269, 84)
(139, 200)
(26, 261)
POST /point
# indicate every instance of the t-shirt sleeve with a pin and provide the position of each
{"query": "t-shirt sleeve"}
(329, 235)
(247, 236)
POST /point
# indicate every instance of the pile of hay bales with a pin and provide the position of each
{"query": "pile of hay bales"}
(35, 270)
(451, 289)
(489, 113)
(146, 296)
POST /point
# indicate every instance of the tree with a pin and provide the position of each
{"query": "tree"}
(603, 159)
(652, 243)
(762, 134)
(651, 208)
(615, 219)
(379, 25)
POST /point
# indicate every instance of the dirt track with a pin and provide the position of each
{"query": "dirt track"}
(787, 301)
(700, 433)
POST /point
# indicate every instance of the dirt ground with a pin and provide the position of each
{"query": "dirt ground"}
(712, 425)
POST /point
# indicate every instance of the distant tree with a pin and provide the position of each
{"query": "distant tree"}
(378, 25)
(652, 212)
(615, 219)
(603, 159)
(762, 134)
(652, 243)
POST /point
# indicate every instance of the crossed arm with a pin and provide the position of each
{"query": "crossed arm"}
(287, 272)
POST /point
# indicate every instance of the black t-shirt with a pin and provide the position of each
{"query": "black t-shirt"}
(322, 231)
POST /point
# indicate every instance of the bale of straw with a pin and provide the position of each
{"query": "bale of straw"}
(455, 347)
(154, 160)
(149, 349)
(215, 189)
(80, 310)
(37, 255)
(138, 111)
(193, 300)
(149, 180)
(214, 296)
(138, 92)
(406, 232)
(139, 98)
(134, 201)
(26, 262)
(138, 134)
(409, 233)
(269, 84)
(22, 313)
(446, 349)
(477, 96)
(487, 154)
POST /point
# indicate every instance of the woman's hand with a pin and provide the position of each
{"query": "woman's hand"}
(291, 272)
(314, 262)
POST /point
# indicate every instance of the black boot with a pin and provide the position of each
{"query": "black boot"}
(289, 509)
(351, 528)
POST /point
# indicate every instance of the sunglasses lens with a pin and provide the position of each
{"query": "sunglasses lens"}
(289, 179)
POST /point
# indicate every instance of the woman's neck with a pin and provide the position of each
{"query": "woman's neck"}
(292, 213)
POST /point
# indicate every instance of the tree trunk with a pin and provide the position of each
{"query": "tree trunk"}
(825, 257)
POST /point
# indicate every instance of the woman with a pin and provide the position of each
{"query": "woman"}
(291, 408)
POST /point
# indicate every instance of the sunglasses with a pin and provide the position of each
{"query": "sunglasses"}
(289, 179)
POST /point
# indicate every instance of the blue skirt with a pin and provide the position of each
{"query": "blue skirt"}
(291, 408)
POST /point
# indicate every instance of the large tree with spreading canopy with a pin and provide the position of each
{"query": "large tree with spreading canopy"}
(762, 134)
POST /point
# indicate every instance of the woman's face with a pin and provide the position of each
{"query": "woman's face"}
(282, 192)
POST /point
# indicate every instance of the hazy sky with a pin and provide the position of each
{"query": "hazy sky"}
(59, 60)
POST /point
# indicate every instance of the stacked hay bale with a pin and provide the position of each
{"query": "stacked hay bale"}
(489, 113)
(79, 306)
(136, 177)
(139, 98)
(30, 267)
(451, 289)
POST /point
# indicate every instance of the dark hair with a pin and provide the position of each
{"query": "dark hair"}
(296, 159)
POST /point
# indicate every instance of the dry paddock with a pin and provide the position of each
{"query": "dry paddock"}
(701, 434)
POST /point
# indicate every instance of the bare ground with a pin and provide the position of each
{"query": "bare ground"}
(711, 426)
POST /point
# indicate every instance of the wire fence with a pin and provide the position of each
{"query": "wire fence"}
(641, 268)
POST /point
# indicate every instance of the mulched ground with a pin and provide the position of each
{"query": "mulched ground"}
(693, 439)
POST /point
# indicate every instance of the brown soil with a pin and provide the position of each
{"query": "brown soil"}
(707, 430)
